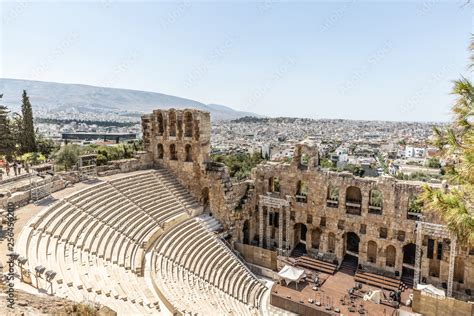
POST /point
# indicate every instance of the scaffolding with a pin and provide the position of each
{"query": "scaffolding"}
(40, 189)
(282, 205)
(437, 231)
(87, 167)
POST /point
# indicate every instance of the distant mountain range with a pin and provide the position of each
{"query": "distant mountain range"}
(56, 97)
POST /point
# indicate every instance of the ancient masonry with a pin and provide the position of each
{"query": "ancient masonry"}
(298, 207)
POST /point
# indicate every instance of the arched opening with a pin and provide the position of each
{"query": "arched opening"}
(372, 251)
(173, 153)
(409, 251)
(316, 238)
(414, 208)
(353, 200)
(352, 243)
(375, 202)
(301, 192)
(161, 125)
(205, 198)
(458, 270)
(304, 161)
(300, 231)
(273, 184)
(189, 153)
(331, 242)
(188, 124)
(408, 273)
(160, 151)
(351, 257)
(172, 125)
(390, 256)
(246, 232)
(333, 196)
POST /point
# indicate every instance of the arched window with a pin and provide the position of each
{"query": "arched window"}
(173, 153)
(375, 202)
(331, 242)
(333, 196)
(390, 256)
(160, 151)
(353, 200)
(414, 207)
(188, 124)
(301, 192)
(316, 238)
(161, 125)
(372, 251)
(189, 153)
(172, 125)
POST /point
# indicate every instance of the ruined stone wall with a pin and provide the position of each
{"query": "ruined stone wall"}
(383, 230)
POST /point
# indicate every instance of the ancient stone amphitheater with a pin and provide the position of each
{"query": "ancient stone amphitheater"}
(138, 243)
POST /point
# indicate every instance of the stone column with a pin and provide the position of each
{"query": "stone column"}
(288, 224)
(419, 240)
(280, 230)
(452, 257)
(261, 229)
(268, 229)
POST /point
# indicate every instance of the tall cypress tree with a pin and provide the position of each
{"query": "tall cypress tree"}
(28, 138)
(7, 145)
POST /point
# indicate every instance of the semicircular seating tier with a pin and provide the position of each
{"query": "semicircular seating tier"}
(96, 241)
(200, 274)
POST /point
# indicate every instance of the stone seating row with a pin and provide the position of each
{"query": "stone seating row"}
(103, 229)
(80, 277)
(197, 253)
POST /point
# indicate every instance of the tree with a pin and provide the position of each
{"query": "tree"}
(456, 144)
(46, 146)
(7, 144)
(28, 138)
(67, 156)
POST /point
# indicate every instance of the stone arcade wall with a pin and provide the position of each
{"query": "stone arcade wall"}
(180, 141)
(383, 231)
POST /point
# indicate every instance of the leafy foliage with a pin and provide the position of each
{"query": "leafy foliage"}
(239, 165)
(456, 143)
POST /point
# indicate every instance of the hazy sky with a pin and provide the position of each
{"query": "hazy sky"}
(357, 60)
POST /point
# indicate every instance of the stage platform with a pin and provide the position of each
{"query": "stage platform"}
(334, 289)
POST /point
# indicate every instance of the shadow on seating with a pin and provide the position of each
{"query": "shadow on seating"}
(46, 201)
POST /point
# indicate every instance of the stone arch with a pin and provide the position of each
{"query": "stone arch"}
(332, 196)
(390, 256)
(331, 242)
(458, 270)
(246, 232)
(300, 230)
(160, 152)
(301, 191)
(352, 242)
(205, 197)
(353, 200)
(189, 153)
(172, 123)
(372, 251)
(161, 124)
(316, 238)
(409, 251)
(173, 152)
(188, 124)
(375, 201)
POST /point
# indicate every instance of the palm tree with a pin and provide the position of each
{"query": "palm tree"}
(456, 144)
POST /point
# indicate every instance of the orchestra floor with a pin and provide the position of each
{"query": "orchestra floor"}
(332, 291)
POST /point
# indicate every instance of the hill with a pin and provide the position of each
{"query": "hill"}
(54, 97)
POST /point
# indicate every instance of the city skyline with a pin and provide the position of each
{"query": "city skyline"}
(274, 59)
